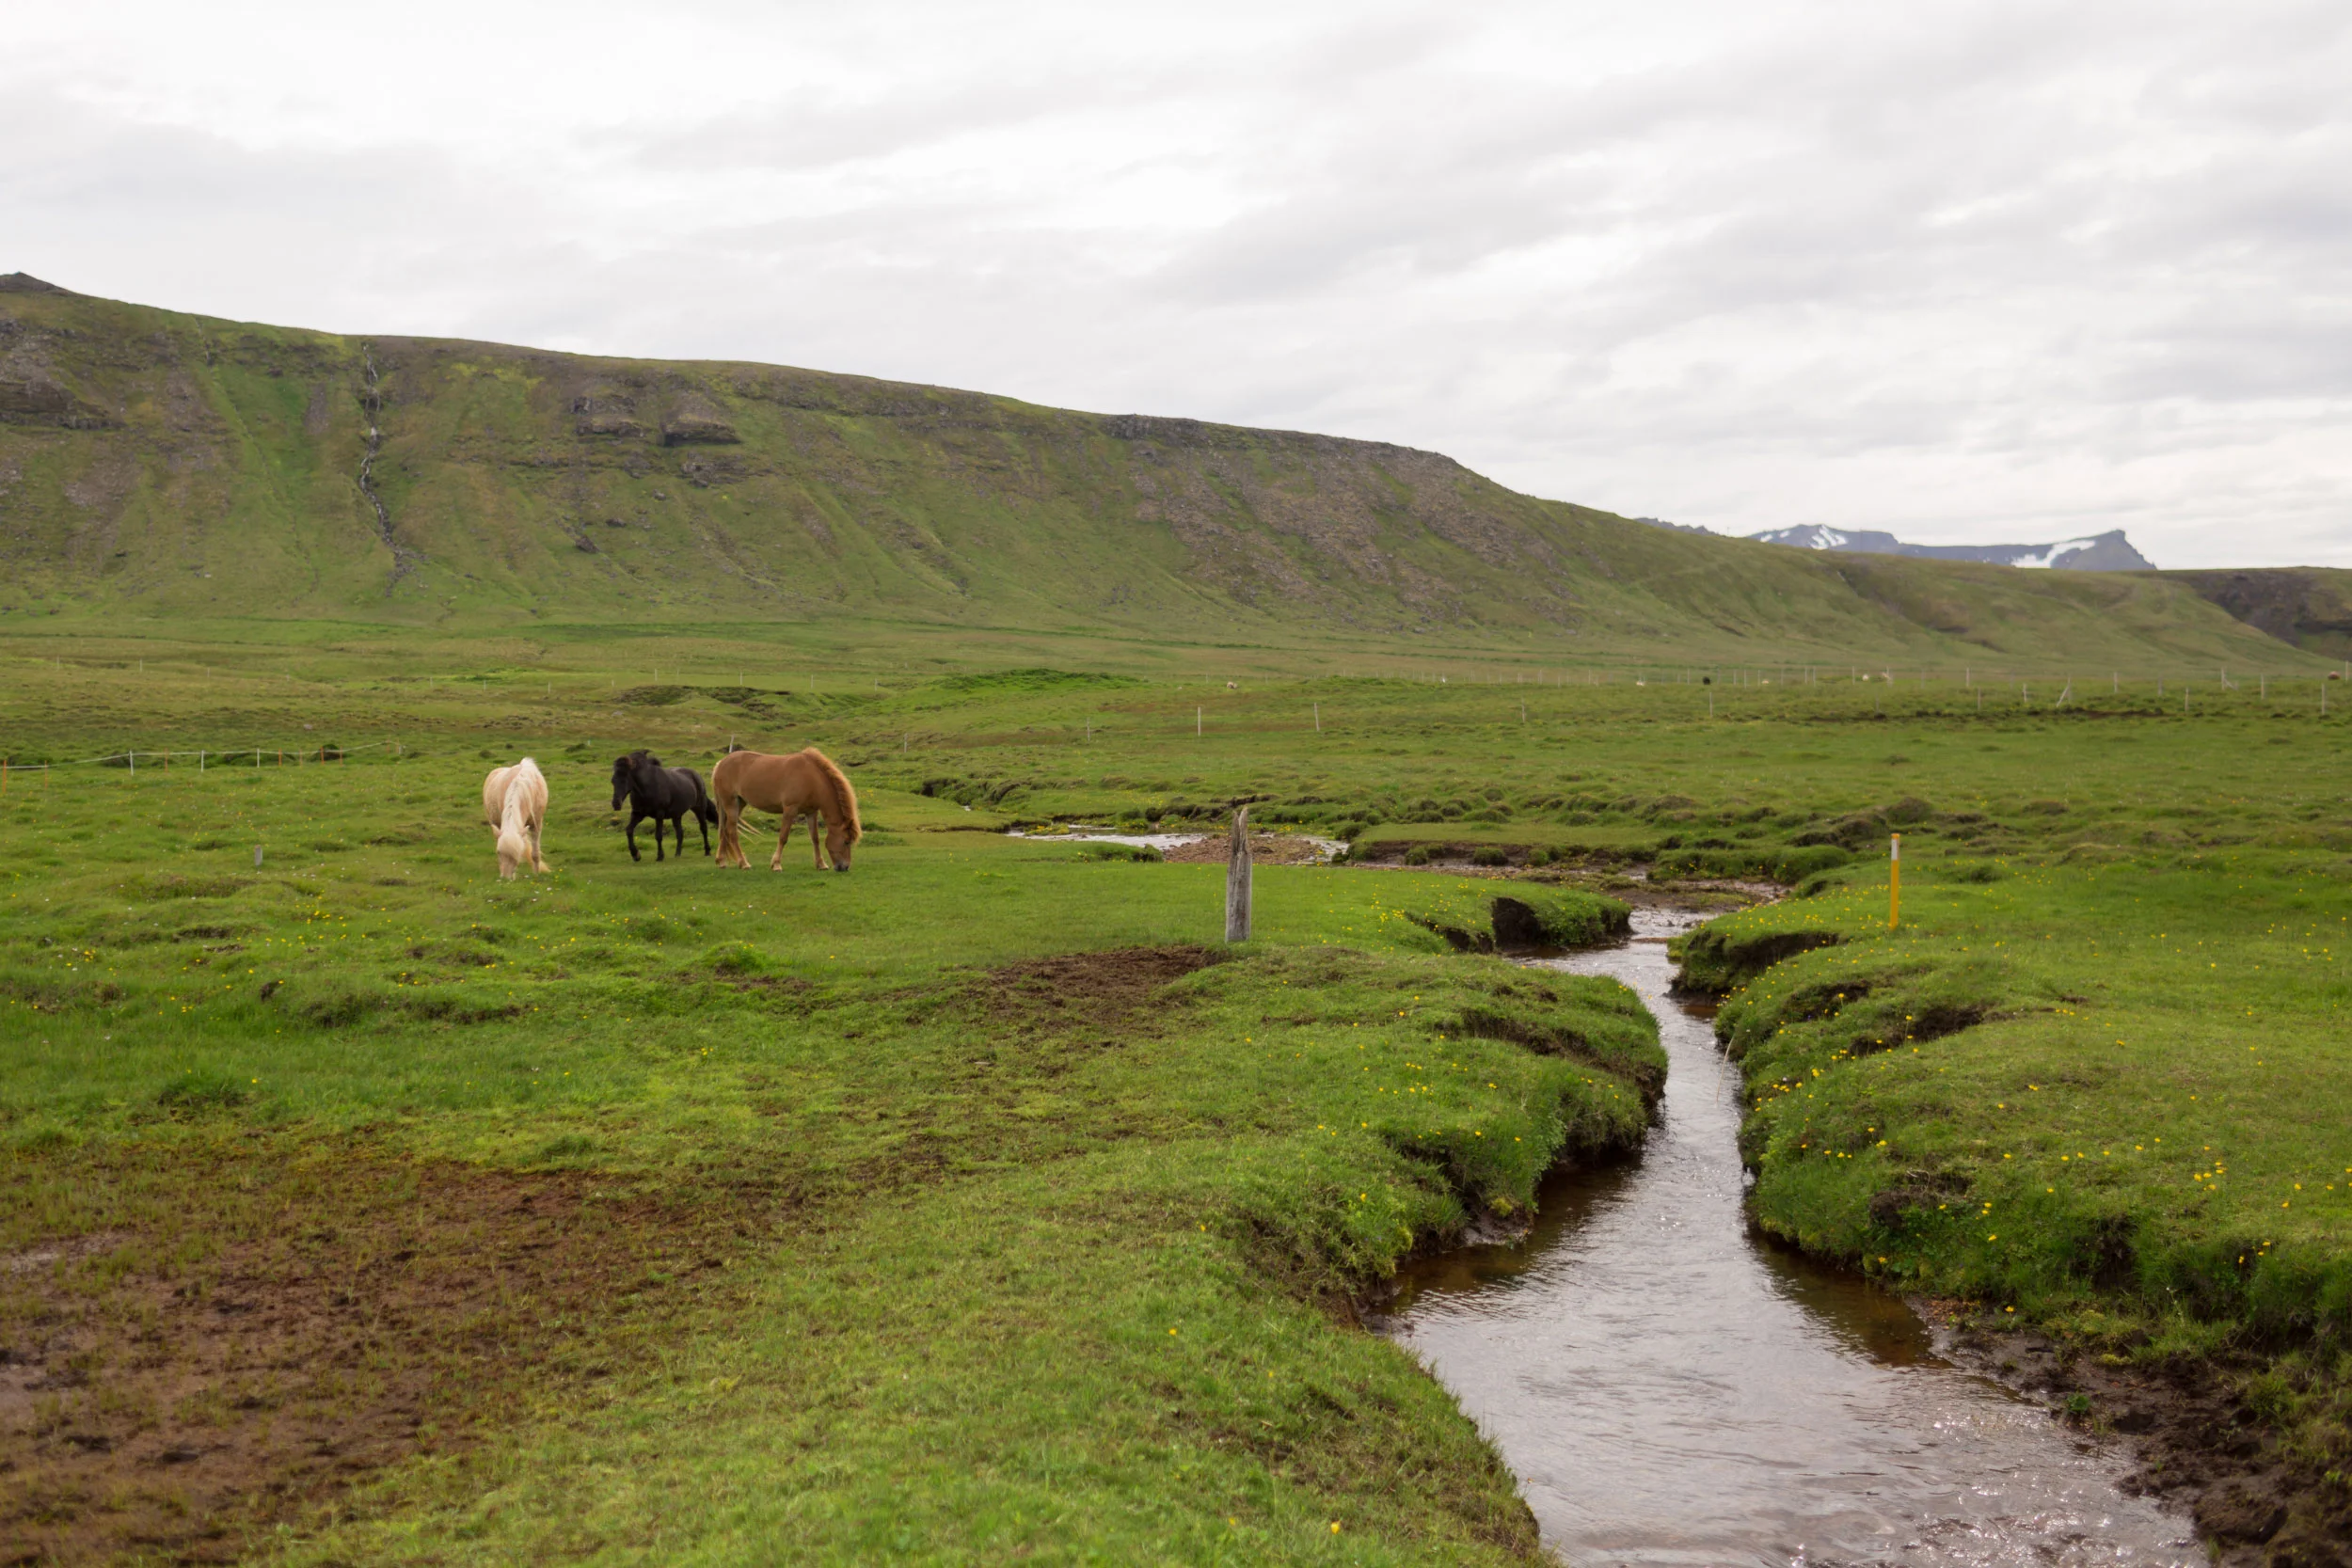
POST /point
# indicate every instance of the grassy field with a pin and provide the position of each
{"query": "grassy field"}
(365, 1209)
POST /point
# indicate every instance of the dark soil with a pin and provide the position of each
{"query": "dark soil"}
(1100, 995)
(2196, 1443)
(163, 1396)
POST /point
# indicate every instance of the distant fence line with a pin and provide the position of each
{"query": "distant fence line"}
(233, 754)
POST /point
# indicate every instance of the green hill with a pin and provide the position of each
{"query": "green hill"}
(2309, 606)
(180, 470)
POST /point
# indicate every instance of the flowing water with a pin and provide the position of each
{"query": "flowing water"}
(1670, 1389)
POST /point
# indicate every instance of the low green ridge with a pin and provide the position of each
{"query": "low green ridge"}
(1480, 916)
(1791, 865)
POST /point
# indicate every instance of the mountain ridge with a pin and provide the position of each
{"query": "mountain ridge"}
(177, 467)
(2097, 552)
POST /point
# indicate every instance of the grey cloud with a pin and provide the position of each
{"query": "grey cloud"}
(1949, 269)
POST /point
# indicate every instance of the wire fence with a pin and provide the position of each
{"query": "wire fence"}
(236, 756)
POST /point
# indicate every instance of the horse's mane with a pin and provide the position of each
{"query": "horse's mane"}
(514, 814)
(841, 792)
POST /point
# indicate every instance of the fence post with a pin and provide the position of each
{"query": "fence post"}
(1237, 880)
(1894, 882)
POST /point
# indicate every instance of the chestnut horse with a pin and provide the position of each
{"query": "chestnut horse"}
(806, 783)
(515, 803)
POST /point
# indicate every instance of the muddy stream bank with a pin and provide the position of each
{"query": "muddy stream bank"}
(1670, 1389)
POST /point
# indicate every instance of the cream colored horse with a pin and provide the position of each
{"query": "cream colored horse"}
(515, 803)
(804, 784)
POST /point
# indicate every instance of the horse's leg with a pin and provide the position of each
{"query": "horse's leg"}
(783, 831)
(633, 820)
(657, 840)
(816, 828)
(537, 859)
(704, 823)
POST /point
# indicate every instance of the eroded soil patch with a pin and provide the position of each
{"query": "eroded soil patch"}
(237, 1356)
(2196, 1441)
(1095, 995)
(1264, 849)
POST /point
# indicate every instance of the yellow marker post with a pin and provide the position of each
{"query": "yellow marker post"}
(1895, 881)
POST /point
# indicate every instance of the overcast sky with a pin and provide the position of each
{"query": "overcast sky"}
(1972, 273)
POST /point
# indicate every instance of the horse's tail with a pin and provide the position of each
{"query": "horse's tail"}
(705, 809)
(843, 795)
(514, 814)
(729, 824)
(724, 765)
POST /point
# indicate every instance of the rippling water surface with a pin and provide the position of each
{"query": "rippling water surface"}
(1670, 1389)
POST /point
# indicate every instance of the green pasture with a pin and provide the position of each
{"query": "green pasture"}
(1020, 1284)
(905, 1218)
(2105, 1092)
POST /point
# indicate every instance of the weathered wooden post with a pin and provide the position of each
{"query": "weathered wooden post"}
(1237, 880)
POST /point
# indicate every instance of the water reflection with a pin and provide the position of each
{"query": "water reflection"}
(1669, 1390)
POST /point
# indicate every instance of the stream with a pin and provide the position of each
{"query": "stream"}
(1670, 1388)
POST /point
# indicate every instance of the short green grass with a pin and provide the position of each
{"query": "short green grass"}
(1068, 1285)
(2071, 1078)
(946, 1328)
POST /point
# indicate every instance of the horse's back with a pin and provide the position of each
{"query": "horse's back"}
(494, 794)
(502, 781)
(534, 788)
(742, 773)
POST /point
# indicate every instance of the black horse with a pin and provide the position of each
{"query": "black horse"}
(665, 794)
